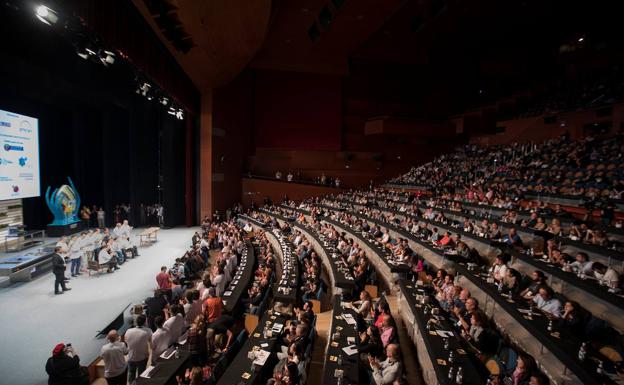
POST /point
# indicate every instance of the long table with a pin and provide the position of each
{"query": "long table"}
(434, 359)
(241, 280)
(379, 256)
(558, 360)
(562, 345)
(348, 336)
(168, 369)
(286, 289)
(583, 291)
(341, 276)
(241, 371)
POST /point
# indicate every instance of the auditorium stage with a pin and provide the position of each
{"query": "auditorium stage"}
(33, 319)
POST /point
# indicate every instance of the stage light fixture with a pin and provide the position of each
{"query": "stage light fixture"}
(180, 114)
(107, 58)
(171, 111)
(164, 100)
(46, 15)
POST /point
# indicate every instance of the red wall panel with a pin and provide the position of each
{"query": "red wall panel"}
(298, 110)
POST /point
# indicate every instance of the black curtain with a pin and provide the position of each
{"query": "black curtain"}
(93, 127)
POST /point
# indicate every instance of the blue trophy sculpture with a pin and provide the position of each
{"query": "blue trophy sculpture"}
(64, 203)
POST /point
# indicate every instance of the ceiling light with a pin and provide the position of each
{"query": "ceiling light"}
(580, 39)
(46, 15)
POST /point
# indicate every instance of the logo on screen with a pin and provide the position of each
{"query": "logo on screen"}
(22, 161)
(15, 189)
(8, 147)
(25, 127)
(5, 124)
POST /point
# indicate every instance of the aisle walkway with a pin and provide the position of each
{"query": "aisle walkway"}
(33, 319)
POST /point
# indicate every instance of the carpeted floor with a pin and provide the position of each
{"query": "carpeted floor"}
(34, 319)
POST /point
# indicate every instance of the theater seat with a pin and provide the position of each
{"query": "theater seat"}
(372, 291)
(251, 321)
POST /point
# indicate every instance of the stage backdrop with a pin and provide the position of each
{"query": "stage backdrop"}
(115, 145)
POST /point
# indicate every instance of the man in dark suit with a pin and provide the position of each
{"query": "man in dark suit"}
(58, 268)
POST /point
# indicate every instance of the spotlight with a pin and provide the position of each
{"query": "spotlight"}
(164, 101)
(46, 15)
(107, 57)
(143, 89)
(180, 114)
(171, 111)
(580, 39)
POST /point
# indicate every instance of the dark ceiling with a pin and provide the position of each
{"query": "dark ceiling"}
(463, 52)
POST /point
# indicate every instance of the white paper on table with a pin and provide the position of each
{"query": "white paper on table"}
(261, 357)
(349, 319)
(146, 372)
(444, 333)
(350, 350)
(227, 293)
(277, 328)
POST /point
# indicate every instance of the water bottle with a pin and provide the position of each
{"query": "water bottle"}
(550, 326)
(500, 286)
(451, 357)
(582, 352)
(339, 360)
(446, 344)
(600, 369)
(451, 373)
(459, 379)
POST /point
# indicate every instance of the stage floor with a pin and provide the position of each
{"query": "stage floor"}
(34, 319)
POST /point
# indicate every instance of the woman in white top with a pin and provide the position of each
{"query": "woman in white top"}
(363, 306)
(499, 269)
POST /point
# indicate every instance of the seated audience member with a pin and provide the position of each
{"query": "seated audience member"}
(547, 303)
(525, 367)
(538, 279)
(113, 354)
(512, 238)
(194, 376)
(572, 318)
(606, 275)
(362, 307)
(499, 267)
(383, 309)
(370, 342)
(538, 379)
(511, 282)
(387, 331)
(161, 338)
(63, 368)
(582, 265)
(106, 257)
(388, 371)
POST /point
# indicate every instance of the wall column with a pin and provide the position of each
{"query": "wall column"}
(205, 155)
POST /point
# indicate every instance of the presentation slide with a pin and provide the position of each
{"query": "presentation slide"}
(19, 156)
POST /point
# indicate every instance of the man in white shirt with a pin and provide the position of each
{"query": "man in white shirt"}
(160, 339)
(75, 254)
(106, 257)
(175, 324)
(606, 275)
(113, 353)
(388, 371)
(582, 265)
(139, 340)
(547, 303)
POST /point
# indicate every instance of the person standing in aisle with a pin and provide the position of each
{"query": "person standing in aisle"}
(58, 268)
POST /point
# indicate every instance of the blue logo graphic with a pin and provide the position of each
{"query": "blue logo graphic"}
(64, 203)
(5, 124)
(8, 147)
(22, 161)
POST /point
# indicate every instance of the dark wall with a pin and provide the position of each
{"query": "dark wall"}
(92, 126)
(297, 110)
